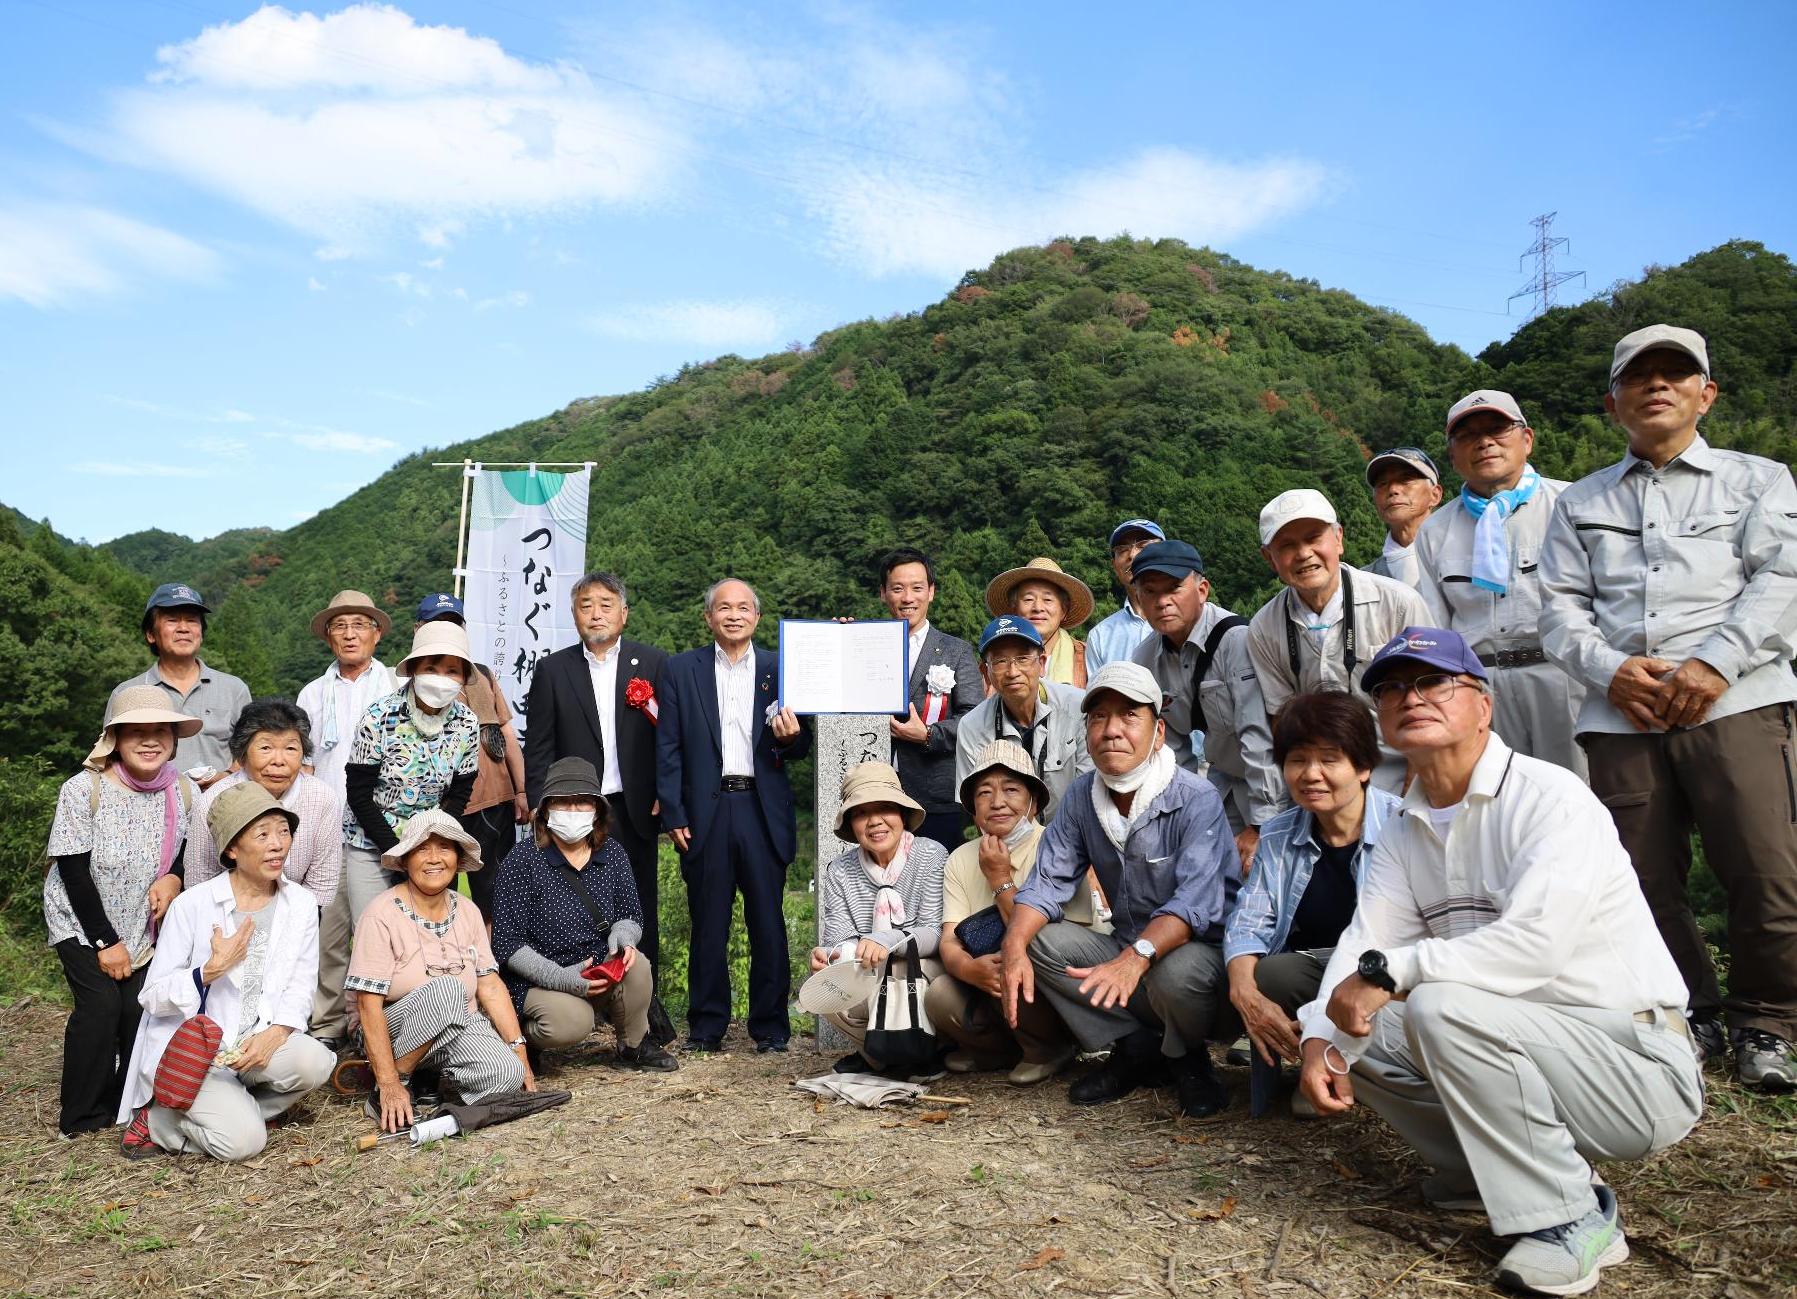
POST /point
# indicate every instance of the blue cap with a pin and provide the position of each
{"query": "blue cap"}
(1013, 625)
(1433, 647)
(175, 595)
(1149, 526)
(1174, 558)
(440, 605)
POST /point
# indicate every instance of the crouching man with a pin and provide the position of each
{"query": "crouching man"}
(1502, 997)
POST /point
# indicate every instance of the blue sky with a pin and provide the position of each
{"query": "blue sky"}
(250, 257)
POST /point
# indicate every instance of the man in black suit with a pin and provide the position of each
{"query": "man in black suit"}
(584, 703)
(945, 683)
(723, 747)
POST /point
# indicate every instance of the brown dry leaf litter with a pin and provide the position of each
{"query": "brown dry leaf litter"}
(722, 1180)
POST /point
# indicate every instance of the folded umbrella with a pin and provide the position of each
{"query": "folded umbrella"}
(501, 1107)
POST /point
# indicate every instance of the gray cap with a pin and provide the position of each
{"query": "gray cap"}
(1416, 459)
(1484, 399)
(1688, 341)
(1129, 679)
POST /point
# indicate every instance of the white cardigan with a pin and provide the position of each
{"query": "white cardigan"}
(171, 992)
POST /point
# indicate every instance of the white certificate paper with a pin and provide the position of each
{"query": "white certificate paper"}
(845, 667)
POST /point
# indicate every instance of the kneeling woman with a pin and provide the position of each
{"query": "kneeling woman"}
(565, 902)
(885, 889)
(423, 973)
(241, 948)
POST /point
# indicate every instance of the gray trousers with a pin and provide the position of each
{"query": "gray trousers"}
(1179, 996)
(1515, 1096)
(363, 880)
(229, 1118)
(469, 1055)
(1534, 709)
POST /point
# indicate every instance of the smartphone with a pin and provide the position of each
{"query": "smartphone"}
(611, 970)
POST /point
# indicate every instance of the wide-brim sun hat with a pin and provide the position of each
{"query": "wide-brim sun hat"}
(238, 808)
(868, 783)
(444, 826)
(1001, 591)
(1004, 755)
(142, 706)
(570, 778)
(429, 639)
(839, 986)
(350, 602)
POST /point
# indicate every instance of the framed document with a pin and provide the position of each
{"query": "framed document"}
(845, 667)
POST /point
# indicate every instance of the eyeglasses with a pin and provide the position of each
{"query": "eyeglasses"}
(1432, 688)
(1508, 433)
(1021, 663)
(341, 626)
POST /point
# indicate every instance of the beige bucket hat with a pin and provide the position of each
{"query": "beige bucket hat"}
(144, 706)
(236, 809)
(1004, 755)
(444, 826)
(867, 783)
(1001, 591)
(350, 602)
(430, 639)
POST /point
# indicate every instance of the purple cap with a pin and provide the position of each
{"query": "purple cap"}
(1435, 647)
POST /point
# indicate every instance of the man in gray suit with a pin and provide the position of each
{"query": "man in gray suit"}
(945, 683)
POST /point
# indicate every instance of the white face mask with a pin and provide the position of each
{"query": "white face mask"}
(435, 691)
(569, 826)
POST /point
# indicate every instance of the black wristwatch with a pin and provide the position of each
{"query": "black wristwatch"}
(1372, 969)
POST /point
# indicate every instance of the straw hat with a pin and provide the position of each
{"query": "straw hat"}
(142, 705)
(430, 639)
(444, 826)
(867, 783)
(350, 602)
(1004, 755)
(1001, 592)
(236, 809)
(837, 987)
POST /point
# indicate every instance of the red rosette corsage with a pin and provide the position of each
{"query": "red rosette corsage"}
(640, 694)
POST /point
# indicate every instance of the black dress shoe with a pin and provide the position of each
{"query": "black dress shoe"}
(705, 1045)
(771, 1044)
(1116, 1078)
(853, 1062)
(1201, 1092)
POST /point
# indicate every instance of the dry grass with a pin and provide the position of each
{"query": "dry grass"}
(722, 1180)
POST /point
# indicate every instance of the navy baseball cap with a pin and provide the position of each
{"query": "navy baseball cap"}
(440, 605)
(1434, 647)
(1012, 625)
(1413, 458)
(175, 595)
(1149, 526)
(1174, 558)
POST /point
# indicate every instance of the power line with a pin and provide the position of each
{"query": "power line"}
(1544, 279)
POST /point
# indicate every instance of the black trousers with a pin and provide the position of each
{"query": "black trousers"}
(496, 831)
(641, 851)
(946, 828)
(735, 856)
(96, 1044)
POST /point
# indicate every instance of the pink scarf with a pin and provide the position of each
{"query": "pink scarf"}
(167, 779)
(889, 907)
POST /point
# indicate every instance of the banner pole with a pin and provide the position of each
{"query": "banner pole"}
(461, 528)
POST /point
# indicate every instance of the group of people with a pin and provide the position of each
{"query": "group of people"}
(1421, 831)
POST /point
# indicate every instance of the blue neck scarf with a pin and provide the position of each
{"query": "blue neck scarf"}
(1491, 547)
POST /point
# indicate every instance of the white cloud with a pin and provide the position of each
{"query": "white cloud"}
(349, 124)
(331, 439)
(314, 284)
(53, 254)
(138, 469)
(517, 298)
(332, 253)
(224, 448)
(407, 283)
(704, 324)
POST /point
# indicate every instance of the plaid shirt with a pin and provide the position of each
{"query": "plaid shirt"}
(1288, 853)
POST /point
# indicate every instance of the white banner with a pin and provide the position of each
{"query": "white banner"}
(527, 544)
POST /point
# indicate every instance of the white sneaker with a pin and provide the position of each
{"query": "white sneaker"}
(1567, 1259)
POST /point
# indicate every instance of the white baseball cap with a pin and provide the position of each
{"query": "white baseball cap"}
(1688, 341)
(1299, 503)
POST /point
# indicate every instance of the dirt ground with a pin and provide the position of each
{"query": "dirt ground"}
(721, 1179)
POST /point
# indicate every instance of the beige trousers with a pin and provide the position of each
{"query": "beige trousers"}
(557, 1020)
(229, 1118)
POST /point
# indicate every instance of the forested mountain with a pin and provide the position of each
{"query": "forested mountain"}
(1057, 390)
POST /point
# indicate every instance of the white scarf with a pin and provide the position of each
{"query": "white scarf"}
(1146, 781)
(889, 907)
(429, 725)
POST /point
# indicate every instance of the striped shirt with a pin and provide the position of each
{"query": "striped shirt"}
(849, 896)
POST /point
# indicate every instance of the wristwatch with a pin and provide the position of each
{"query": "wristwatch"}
(516, 1042)
(1144, 949)
(1009, 886)
(1372, 969)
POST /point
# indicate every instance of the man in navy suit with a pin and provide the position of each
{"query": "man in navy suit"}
(945, 683)
(584, 704)
(723, 746)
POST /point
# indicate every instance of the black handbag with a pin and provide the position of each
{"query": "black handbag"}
(900, 1038)
(982, 933)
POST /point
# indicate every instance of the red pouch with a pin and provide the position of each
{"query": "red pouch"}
(611, 970)
(189, 1054)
